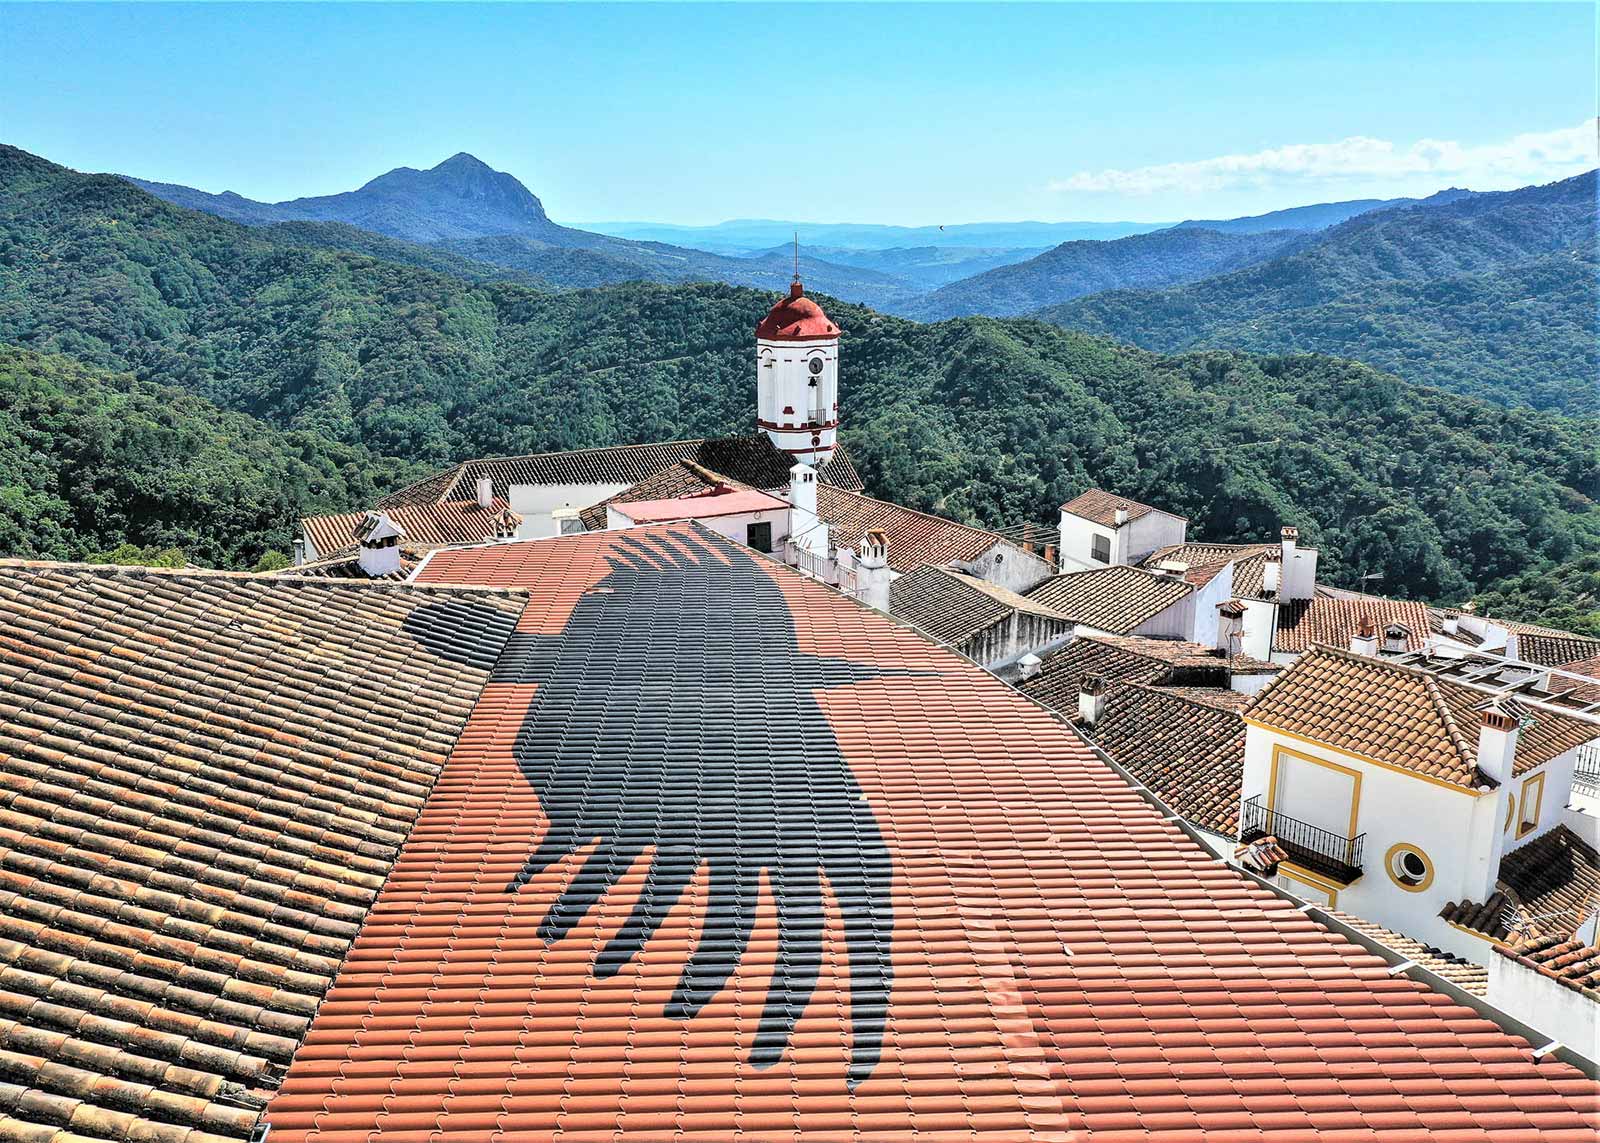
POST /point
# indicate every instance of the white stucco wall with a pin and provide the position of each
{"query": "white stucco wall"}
(1391, 807)
(1010, 567)
(1558, 1011)
(1129, 544)
(535, 503)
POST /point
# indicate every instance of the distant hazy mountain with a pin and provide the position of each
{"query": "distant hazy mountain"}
(1491, 294)
(1074, 269)
(468, 208)
(462, 197)
(749, 235)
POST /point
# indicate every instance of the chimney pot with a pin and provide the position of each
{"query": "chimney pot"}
(485, 492)
(1091, 699)
(1365, 640)
(1120, 515)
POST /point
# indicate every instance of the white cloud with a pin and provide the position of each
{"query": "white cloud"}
(1536, 157)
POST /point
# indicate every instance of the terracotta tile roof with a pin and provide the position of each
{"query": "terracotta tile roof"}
(1579, 691)
(1248, 561)
(1547, 888)
(677, 479)
(1571, 961)
(1115, 599)
(1403, 716)
(424, 525)
(1190, 754)
(952, 607)
(204, 779)
(1211, 696)
(1323, 619)
(1549, 648)
(1169, 663)
(915, 538)
(1464, 974)
(1101, 507)
(752, 459)
(1013, 944)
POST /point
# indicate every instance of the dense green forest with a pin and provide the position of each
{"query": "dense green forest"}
(995, 421)
(91, 461)
(1566, 596)
(1490, 294)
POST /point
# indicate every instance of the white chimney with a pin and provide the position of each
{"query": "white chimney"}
(485, 492)
(1271, 577)
(1497, 744)
(1289, 538)
(1452, 624)
(1091, 699)
(873, 575)
(379, 538)
(1121, 515)
(1365, 640)
(1230, 626)
(1028, 666)
(806, 529)
(1395, 639)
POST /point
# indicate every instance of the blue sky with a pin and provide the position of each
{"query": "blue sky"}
(888, 113)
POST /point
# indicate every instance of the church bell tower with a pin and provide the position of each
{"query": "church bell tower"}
(797, 377)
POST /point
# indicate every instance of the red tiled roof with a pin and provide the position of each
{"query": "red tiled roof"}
(1330, 620)
(701, 505)
(349, 566)
(1547, 647)
(752, 459)
(1404, 716)
(1115, 599)
(204, 780)
(1169, 663)
(915, 538)
(424, 525)
(796, 318)
(1041, 952)
(677, 479)
(1569, 960)
(1101, 507)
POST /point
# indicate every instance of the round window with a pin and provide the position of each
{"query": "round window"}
(1409, 868)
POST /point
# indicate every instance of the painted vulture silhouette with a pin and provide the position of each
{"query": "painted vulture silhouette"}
(676, 713)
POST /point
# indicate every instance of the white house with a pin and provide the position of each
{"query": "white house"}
(1100, 529)
(1397, 792)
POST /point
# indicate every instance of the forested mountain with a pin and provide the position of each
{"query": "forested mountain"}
(469, 209)
(1317, 216)
(1074, 269)
(91, 460)
(1488, 294)
(751, 235)
(988, 420)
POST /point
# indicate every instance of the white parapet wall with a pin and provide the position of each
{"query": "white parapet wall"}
(1559, 1011)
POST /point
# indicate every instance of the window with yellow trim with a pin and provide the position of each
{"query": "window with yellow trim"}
(1532, 803)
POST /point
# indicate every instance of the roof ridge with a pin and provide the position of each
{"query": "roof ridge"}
(915, 511)
(1469, 756)
(1167, 692)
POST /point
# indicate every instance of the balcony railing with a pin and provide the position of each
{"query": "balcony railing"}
(1319, 850)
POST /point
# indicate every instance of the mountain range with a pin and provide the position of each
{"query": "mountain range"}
(336, 369)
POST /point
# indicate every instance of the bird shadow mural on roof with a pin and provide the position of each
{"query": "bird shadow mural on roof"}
(676, 714)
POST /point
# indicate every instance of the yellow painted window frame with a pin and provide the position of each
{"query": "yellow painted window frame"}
(1535, 783)
(1427, 862)
(1279, 752)
(1311, 880)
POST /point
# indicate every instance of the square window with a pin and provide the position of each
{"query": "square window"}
(759, 536)
(1532, 799)
(1100, 548)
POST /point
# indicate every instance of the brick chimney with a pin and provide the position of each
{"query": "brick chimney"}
(1091, 699)
(1365, 640)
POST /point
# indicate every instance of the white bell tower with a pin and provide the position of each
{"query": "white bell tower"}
(797, 377)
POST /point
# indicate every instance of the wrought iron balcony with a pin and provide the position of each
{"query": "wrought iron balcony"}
(1319, 850)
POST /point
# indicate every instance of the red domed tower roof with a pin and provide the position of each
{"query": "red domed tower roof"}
(796, 318)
